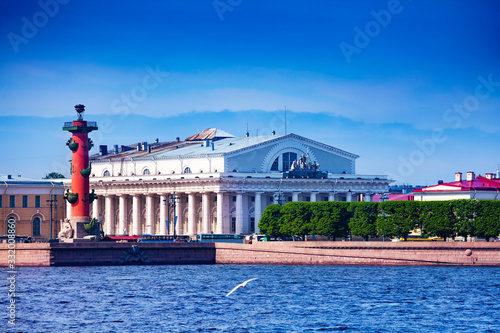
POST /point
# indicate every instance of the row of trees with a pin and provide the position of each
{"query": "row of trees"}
(337, 219)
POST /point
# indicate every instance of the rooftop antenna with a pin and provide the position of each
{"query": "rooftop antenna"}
(247, 134)
(285, 120)
(498, 170)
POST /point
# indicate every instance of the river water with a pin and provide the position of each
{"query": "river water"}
(192, 298)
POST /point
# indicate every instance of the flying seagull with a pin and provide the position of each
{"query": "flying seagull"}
(244, 284)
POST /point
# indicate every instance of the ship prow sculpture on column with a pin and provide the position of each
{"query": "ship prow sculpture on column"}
(80, 225)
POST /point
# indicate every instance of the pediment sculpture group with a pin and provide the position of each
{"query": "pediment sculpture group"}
(302, 164)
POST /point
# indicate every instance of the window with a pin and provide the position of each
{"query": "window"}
(252, 224)
(233, 224)
(146, 172)
(274, 167)
(288, 159)
(234, 198)
(106, 173)
(187, 170)
(25, 201)
(37, 201)
(1, 201)
(12, 201)
(36, 226)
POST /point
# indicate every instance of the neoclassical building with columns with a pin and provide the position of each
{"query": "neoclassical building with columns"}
(221, 183)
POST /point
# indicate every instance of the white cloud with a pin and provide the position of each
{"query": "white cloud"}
(51, 90)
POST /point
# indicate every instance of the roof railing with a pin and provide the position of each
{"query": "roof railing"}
(89, 124)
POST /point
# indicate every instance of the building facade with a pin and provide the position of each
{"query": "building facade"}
(27, 202)
(219, 183)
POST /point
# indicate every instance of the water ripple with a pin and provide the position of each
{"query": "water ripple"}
(283, 299)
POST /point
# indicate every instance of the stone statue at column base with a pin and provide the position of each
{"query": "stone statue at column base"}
(66, 230)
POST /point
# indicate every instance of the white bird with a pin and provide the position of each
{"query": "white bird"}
(244, 284)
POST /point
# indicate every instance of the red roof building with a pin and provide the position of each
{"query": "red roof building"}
(486, 188)
(393, 197)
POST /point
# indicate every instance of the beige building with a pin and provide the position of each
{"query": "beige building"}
(222, 183)
(27, 203)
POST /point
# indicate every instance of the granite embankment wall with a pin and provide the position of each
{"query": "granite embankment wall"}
(260, 253)
(102, 253)
(360, 253)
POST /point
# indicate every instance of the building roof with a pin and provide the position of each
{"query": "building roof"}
(478, 184)
(19, 180)
(193, 147)
(395, 197)
(210, 134)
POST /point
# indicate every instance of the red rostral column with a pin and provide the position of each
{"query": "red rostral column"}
(80, 144)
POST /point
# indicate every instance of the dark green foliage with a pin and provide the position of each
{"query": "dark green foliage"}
(466, 212)
(390, 219)
(296, 219)
(270, 220)
(438, 218)
(397, 218)
(331, 218)
(362, 222)
(53, 175)
(488, 220)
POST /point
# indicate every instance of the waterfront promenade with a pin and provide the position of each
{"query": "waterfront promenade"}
(260, 253)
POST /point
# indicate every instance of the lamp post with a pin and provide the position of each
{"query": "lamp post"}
(172, 200)
(279, 197)
(53, 203)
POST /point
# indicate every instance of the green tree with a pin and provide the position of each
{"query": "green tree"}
(296, 219)
(438, 218)
(270, 220)
(397, 218)
(331, 218)
(488, 219)
(53, 175)
(384, 226)
(466, 212)
(362, 222)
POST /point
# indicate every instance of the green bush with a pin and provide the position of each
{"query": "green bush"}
(397, 218)
(270, 220)
(364, 216)
(390, 219)
(331, 218)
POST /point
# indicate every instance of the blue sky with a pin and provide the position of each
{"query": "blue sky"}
(413, 87)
